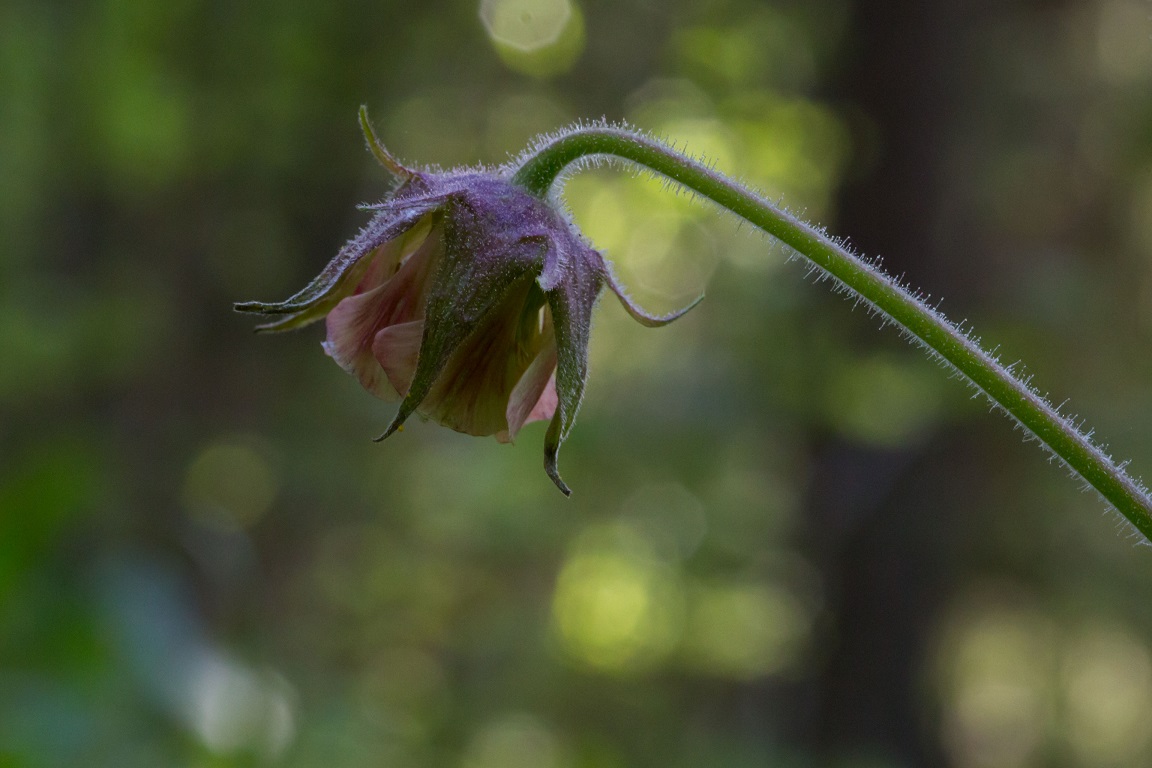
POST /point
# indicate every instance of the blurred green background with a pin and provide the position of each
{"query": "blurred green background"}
(793, 541)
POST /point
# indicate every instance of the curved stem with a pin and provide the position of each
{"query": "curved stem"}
(539, 170)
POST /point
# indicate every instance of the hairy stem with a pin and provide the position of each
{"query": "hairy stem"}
(539, 169)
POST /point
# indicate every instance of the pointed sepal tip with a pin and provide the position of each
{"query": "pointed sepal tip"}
(382, 155)
(551, 450)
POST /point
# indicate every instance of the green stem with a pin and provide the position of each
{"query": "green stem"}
(539, 170)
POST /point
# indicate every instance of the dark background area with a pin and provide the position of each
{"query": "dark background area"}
(794, 541)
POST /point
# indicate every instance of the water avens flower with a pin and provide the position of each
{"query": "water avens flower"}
(466, 297)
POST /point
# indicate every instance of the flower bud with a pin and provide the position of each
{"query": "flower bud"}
(467, 298)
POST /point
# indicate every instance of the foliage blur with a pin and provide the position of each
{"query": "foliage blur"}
(793, 541)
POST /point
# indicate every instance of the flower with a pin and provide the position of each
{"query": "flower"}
(467, 298)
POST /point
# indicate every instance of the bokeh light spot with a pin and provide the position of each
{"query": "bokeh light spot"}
(525, 24)
(617, 606)
(513, 741)
(884, 401)
(235, 708)
(1107, 681)
(1123, 48)
(229, 485)
(405, 690)
(995, 665)
(745, 631)
(534, 37)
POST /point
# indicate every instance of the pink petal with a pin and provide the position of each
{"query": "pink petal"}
(396, 349)
(354, 323)
(545, 407)
(534, 397)
(347, 324)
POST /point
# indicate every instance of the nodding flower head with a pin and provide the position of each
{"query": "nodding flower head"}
(468, 299)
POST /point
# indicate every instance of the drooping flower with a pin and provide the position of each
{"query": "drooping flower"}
(467, 298)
